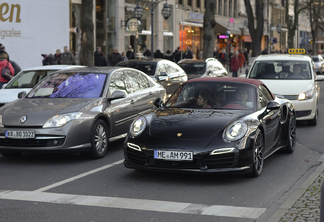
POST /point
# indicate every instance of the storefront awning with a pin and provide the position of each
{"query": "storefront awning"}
(222, 27)
(193, 24)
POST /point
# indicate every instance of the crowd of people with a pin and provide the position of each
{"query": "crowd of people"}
(7, 65)
(65, 58)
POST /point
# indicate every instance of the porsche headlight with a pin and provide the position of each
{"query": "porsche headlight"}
(61, 120)
(1, 125)
(137, 127)
(236, 131)
(306, 95)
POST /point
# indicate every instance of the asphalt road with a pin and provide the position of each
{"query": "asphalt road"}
(55, 187)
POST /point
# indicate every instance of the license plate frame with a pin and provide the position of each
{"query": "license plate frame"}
(170, 155)
(20, 134)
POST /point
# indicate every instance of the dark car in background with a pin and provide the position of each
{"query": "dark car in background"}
(210, 67)
(319, 63)
(165, 72)
(77, 110)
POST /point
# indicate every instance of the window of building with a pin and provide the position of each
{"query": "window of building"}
(198, 3)
(180, 2)
(189, 2)
(225, 7)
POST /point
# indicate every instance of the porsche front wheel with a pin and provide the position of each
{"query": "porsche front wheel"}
(291, 143)
(258, 151)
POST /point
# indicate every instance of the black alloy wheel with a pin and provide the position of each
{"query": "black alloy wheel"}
(291, 143)
(99, 140)
(257, 158)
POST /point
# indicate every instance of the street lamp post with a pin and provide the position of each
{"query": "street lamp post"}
(228, 33)
(138, 13)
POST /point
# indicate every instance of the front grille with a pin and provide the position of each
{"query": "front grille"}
(195, 164)
(220, 161)
(136, 156)
(303, 113)
(291, 97)
(31, 142)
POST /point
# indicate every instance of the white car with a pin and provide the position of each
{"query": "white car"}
(280, 73)
(26, 80)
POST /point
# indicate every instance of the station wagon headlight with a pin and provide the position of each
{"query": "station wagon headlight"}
(306, 95)
(236, 131)
(137, 127)
(61, 120)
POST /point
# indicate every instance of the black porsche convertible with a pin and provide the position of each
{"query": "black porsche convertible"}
(212, 125)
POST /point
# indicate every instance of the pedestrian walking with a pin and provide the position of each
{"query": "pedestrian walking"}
(4, 63)
(241, 60)
(101, 60)
(176, 55)
(13, 63)
(130, 54)
(97, 55)
(169, 56)
(115, 57)
(57, 56)
(188, 54)
(147, 53)
(234, 64)
(67, 58)
(124, 57)
(158, 54)
(246, 56)
(223, 57)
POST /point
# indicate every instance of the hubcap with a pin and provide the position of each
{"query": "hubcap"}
(100, 139)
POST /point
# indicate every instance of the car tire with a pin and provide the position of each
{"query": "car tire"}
(291, 134)
(99, 140)
(313, 122)
(257, 154)
(10, 153)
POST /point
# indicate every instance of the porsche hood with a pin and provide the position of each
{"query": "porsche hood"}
(38, 111)
(190, 124)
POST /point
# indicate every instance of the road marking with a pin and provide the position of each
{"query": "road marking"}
(134, 204)
(78, 176)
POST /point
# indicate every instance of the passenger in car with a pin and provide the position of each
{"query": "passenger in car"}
(204, 99)
(219, 99)
(297, 72)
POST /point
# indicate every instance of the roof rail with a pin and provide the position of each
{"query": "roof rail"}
(210, 59)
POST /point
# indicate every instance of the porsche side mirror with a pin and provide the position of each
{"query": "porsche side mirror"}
(158, 102)
(272, 105)
(118, 94)
(21, 95)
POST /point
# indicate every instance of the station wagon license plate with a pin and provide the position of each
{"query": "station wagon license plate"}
(173, 155)
(20, 134)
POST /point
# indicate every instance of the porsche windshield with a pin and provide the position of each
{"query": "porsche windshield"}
(281, 70)
(70, 85)
(213, 95)
(194, 68)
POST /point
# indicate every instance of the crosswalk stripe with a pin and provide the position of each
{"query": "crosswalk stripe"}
(134, 204)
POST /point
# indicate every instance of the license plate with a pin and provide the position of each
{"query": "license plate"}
(173, 155)
(20, 134)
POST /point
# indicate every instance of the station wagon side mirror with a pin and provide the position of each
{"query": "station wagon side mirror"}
(158, 102)
(118, 94)
(319, 78)
(272, 105)
(22, 94)
(162, 76)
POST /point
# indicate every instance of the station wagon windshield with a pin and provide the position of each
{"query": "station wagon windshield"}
(70, 85)
(281, 70)
(194, 68)
(146, 67)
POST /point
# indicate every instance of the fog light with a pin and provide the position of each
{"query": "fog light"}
(55, 142)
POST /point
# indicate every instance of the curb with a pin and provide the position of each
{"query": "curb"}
(283, 209)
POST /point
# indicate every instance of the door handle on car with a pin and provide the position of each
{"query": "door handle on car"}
(150, 93)
(132, 101)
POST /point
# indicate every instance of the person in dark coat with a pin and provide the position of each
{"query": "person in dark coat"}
(177, 55)
(115, 57)
(147, 53)
(16, 67)
(57, 56)
(168, 55)
(101, 60)
(96, 55)
(50, 60)
(130, 53)
(188, 54)
(158, 54)
(234, 64)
